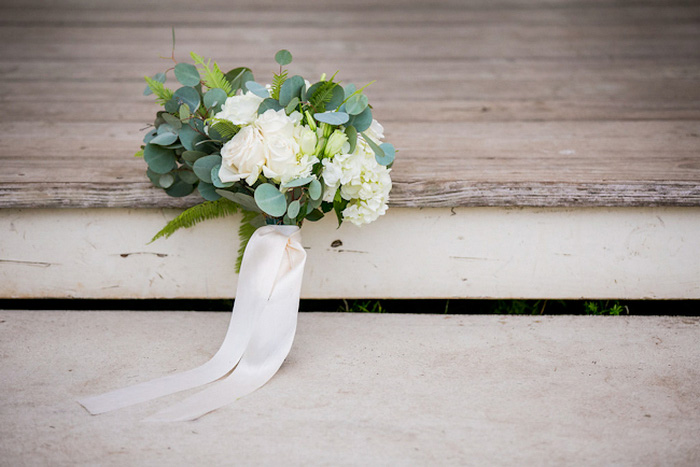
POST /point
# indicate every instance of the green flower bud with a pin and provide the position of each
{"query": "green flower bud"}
(335, 143)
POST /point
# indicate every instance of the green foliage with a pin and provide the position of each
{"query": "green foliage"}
(162, 93)
(283, 57)
(245, 231)
(139, 153)
(196, 214)
(601, 307)
(362, 306)
(225, 129)
(321, 94)
(270, 200)
(213, 76)
(277, 82)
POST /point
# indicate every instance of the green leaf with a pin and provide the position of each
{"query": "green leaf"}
(202, 167)
(237, 77)
(293, 209)
(166, 180)
(139, 153)
(216, 181)
(162, 93)
(172, 120)
(160, 77)
(378, 152)
(192, 156)
(283, 57)
(270, 200)
(268, 104)
(213, 76)
(361, 121)
(356, 104)
(277, 82)
(184, 112)
(224, 130)
(247, 202)
(179, 189)
(149, 136)
(332, 118)
(187, 176)
(257, 89)
(298, 182)
(187, 74)
(172, 106)
(323, 94)
(290, 89)
(291, 107)
(187, 95)
(314, 215)
(159, 160)
(389, 153)
(189, 137)
(315, 190)
(214, 99)
(349, 89)
(208, 191)
(351, 133)
(197, 214)
(166, 135)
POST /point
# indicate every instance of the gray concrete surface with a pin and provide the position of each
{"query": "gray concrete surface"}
(362, 390)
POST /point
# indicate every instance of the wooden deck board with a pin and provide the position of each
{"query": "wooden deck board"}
(507, 103)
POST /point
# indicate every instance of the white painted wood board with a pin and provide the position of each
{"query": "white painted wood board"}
(409, 253)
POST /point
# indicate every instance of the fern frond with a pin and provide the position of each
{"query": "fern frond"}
(322, 96)
(139, 153)
(225, 128)
(162, 93)
(277, 82)
(213, 76)
(196, 214)
(245, 231)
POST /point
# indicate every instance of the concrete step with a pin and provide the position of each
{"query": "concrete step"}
(361, 389)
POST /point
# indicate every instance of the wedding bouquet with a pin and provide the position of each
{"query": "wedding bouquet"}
(281, 153)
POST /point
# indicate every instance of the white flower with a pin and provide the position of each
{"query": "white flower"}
(375, 131)
(281, 156)
(306, 139)
(240, 110)
(242, 157)
(364, 211)
(275, 122)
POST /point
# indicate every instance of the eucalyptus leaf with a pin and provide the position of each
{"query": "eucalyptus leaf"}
(180, 189)
(298, 182)
(172, 120)
(378, 151)
(351, 133)
(202, 167)
(192, 156)
(332, 118)
(314, 215)
(187, 176)
(153, 177)
(270, 200)
(257, 89)
(166, 180)
(216, 181)
(187, 95)
(389, 153)
(247, 202)
(164, 139)
(356, 104)
(149, 136)
(291, 107)
(337, 97)
(172, 106)
(188, 137)
(238, 77)
(268, 104)
(315, 190)
(293, 209)
(349, 89)
(361, 121)
(208, 191)
(184, 112)
(187, 74)
(159, 160)
(283, 57)
(290, 89)
(214, 99)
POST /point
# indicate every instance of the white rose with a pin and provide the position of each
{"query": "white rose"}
(242, 157)
(240, 110)
(275, 123)
(281, 155)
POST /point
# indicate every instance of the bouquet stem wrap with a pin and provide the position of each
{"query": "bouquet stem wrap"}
(258, 340)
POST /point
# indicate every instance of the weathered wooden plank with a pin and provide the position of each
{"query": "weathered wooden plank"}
(465, 253)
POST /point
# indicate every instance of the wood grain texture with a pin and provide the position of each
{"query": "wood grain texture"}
(503, 103)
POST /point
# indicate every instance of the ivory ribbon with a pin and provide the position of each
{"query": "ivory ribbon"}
(258, 339)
